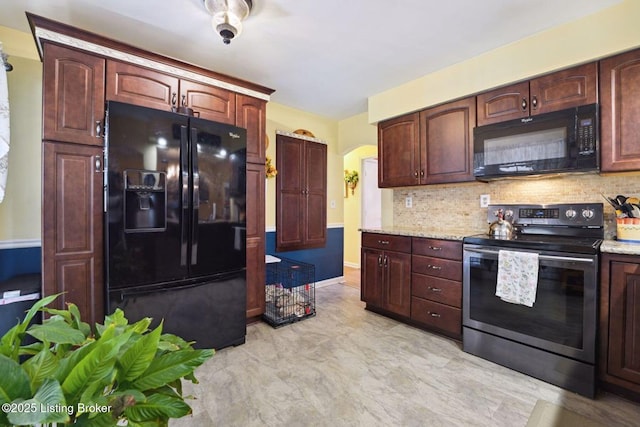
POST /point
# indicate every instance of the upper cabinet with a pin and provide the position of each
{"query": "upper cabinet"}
(142, 86)
(399, 151)
(619, 107)
(446, 142)
(552, 92)
(433, 146)
(251, 114)
(73, 95)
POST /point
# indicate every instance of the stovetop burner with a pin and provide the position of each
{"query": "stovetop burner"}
(577, 228)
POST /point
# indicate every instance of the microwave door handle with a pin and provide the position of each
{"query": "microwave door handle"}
(195, 196)
(184, 167)
(541, 257)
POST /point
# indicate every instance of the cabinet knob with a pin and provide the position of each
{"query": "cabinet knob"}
(534, 102)
(433, 314)
(415, 174)
(98, 128)
(383, 242)
(432, 289)
(435, 248)
(524, 104)
(98, 164)
(379, 260)
(184, 100)
(174, 99)
(434, 267)
(422, 173)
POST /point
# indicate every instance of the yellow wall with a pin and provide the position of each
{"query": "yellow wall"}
(20, 209)
(612, 30)
(280, 117)
(353, 204)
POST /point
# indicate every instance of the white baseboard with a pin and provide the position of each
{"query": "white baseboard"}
(352, 265)
(332, 281)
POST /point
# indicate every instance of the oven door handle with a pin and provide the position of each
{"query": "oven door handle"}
(541, 257)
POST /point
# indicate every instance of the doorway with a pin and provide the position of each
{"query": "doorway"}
(371, 206)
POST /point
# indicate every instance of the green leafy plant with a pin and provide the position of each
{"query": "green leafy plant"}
(351, 179)
(121, 373)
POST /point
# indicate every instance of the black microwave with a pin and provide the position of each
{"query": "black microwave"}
(557, 142)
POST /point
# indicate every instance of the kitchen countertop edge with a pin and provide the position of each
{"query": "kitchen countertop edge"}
(617, 247)
(426, 233)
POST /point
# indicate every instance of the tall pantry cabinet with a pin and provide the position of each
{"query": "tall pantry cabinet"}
(77, 83)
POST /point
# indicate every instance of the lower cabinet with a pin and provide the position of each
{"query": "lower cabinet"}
(619, 364)
(386, 273)
(72, 245)
(417, 280)
(436, 285)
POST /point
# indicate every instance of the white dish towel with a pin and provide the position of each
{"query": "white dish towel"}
(517, 277)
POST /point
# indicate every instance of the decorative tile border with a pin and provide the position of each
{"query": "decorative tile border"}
(42, 33)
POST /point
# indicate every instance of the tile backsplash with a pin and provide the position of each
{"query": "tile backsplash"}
(456, 205)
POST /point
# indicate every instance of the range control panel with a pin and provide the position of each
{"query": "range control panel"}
(576, 214)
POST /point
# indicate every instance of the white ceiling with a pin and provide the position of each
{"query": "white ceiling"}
(322, 56)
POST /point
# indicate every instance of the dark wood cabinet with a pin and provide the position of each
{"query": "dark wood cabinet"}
(209, 102)
(73, 93)
(436, 285)
(251, 114)
(446, 142)
(552, 92)
(619, 108)
(255, 240)
(386, 273)
(399, 151)
(301, 194)
(140, 86)
(620, 324)
(72, 247)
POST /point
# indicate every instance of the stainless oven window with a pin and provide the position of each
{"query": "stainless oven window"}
(563, 316)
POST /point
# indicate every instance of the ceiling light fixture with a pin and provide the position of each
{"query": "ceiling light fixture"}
(227, 16)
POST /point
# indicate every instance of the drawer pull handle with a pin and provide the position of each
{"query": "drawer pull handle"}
(435, 248)
(434, 267)
(383, 242)
(432, 289)
(433, 314)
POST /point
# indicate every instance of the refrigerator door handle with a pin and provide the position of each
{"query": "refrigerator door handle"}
(195, 195)
(184, 167)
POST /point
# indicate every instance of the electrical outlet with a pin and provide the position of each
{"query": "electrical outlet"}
(408, 202)
(485, 199)
(332, 204)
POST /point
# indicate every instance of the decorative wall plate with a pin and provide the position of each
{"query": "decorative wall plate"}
(304, 132)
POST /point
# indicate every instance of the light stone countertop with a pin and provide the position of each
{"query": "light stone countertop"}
(608, 245)
(431, 233)
(618, 247)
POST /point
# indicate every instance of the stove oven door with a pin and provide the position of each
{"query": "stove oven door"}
(563, 317)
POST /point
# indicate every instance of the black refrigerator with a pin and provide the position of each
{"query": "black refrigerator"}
(175, 220)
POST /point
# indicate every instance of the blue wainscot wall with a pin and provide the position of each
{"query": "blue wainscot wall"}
(17, 258)
(328, 261)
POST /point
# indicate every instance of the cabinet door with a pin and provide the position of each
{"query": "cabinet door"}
(289, 193)
(564, 89)
(399, 151)
(446, 139)
(506, 103)
(140, 86)
(624, 322)
(210, 102)
(255, 240)
(371, 277)
(251, 115)
(315, 194)
(73, 95)
(619, 109)
(72, 246)
(397, 283)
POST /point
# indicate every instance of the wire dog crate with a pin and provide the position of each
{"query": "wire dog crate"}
(290, 292)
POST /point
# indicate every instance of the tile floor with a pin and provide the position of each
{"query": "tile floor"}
(350, 367)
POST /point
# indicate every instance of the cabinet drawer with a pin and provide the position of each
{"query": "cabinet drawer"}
(436, 289)
(437, 248)
(386, 242)
(443, 317)
(438, 267)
